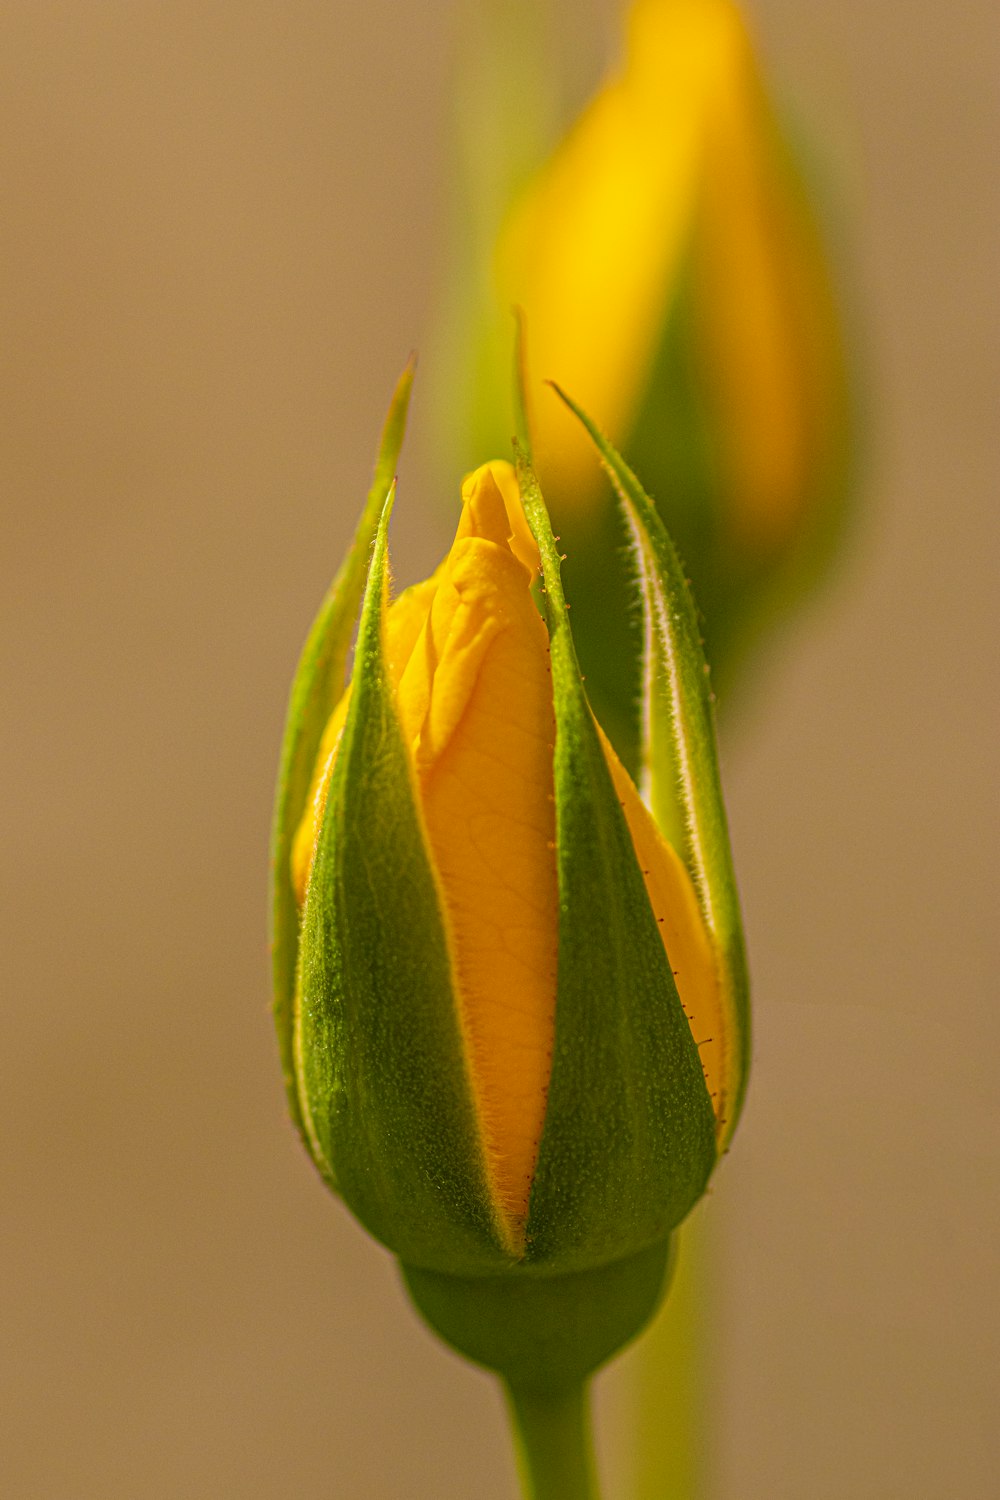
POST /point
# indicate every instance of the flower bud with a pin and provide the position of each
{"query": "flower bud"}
(517, 1027)
(672, 273)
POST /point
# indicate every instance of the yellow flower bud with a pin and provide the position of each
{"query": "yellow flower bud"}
(468, 655)
(510, 992)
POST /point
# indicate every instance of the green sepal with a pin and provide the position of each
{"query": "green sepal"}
(680, 768)
(379, 1056)
(629, 1140)
(544, 1333)
(318, 684)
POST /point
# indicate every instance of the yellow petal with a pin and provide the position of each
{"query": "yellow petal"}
(685, 937)
(404, 623)
(522, 543)
(475, 701)
(304, 843)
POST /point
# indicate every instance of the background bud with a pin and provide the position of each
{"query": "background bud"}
(670, 264)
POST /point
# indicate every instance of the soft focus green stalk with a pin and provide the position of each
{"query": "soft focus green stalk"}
(669, 1386)
(554, 1443)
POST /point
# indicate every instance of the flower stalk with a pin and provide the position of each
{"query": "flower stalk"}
(554, 1443)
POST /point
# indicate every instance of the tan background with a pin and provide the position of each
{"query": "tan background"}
(218, 244)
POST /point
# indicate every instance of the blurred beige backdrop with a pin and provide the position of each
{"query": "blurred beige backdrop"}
(218, 248)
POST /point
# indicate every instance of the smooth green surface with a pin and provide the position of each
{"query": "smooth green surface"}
(316, 687)
(628, 1142)
(670, 1447)
(543, 1334)
(554, 1443)
(378, 1051)
(680, 758)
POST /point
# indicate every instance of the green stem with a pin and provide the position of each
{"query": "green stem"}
(555, 1447)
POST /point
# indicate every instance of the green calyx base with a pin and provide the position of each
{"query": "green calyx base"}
(543, 1333)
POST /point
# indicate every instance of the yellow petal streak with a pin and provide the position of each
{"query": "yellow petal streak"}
(475, 701)
(682, 928)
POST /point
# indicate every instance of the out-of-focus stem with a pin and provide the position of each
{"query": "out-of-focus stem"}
(671, 1378)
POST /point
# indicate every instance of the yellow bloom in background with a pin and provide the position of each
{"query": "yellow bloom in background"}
(674, 174)
(670, 265)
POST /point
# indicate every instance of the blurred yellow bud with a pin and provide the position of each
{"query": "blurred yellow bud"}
(673, 197)
(670, 266)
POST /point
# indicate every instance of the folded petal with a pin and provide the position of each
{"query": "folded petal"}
(475, 702)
